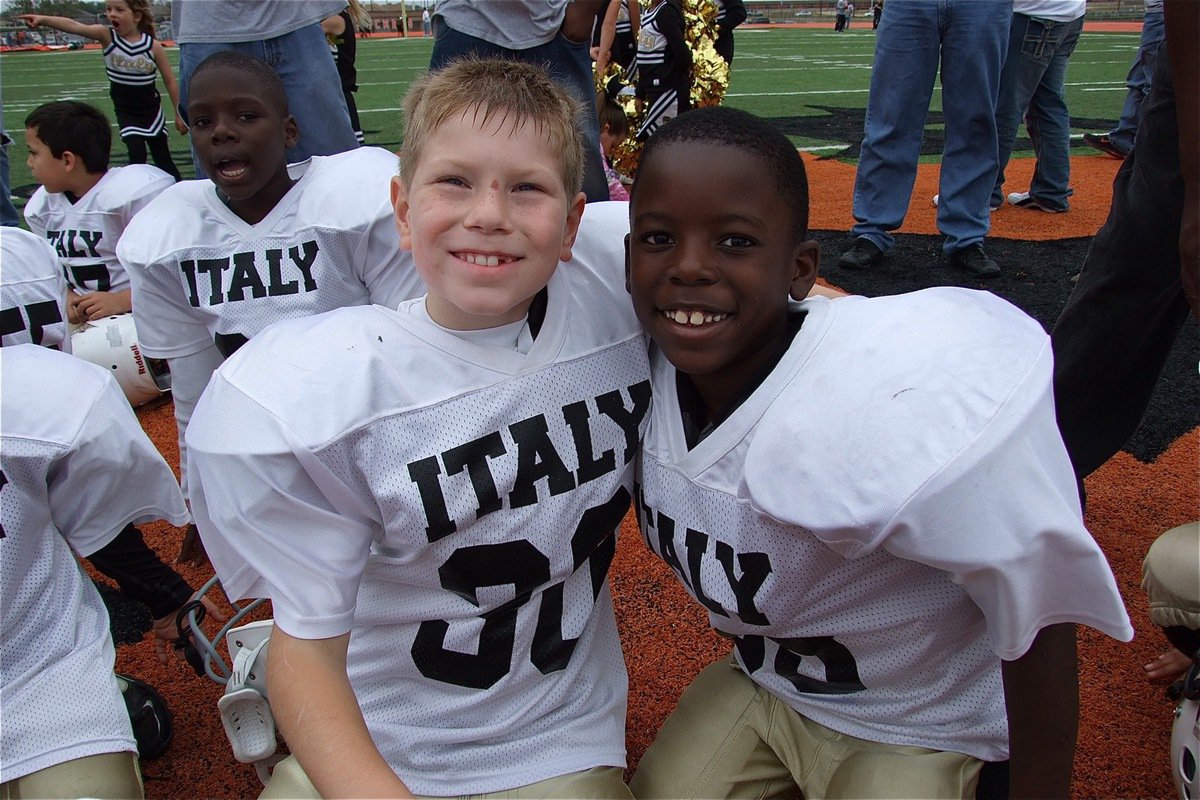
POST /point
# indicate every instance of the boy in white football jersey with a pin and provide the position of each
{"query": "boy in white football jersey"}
(33, 292)
(430, 495)
(82, 206)
(76, 470)
(213, 262)
(869, 496)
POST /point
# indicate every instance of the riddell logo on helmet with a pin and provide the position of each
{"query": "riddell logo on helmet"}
(137, 357)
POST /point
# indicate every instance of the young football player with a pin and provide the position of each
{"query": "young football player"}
(33, 292)
(76, 471)
(430, 495)
(900, 556)
(215, 261)
(82, 207)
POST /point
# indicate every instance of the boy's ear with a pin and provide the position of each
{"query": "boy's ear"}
(291, 132)
(804, 275)
(400, 208)
(574, 214)
(70, 161)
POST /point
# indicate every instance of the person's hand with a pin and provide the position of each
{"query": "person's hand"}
(1168, 667)
(192, 552)
(181, 126)
(99, 305)
(31, 20)
(74, 315)
(166, 632)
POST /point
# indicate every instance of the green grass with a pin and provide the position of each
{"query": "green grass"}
(777, 73)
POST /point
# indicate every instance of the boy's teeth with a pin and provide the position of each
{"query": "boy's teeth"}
(482, 260)
(681, 317)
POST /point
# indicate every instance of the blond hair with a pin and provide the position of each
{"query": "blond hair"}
(362, 20)
(509, 92)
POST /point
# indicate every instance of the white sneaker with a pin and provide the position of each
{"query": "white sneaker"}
(1023, 200)
(990, 207)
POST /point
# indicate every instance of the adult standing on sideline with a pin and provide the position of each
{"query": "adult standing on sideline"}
(426, 25)
(968, 38)
(1040, 42)
(876, 13)
(1119, 141)
(287, 36)
(839, 22)
(554, 33)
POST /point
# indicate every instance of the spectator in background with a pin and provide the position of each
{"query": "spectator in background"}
(849, 13)
(839, 10)
(730, 14)
(426, 27)
(967, 39)
(1119, 141)
(553, 33)
(876, 13)
(287, 36)
(1043, 36)
(339, 31)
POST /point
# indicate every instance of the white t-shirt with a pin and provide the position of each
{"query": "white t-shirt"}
(76, 469)
(33, 292)
(454, 504)
(908, 518)
(245, 20)
(202, 274)
(84, 234)
(1057, 10)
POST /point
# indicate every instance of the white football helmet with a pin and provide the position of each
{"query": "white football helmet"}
(245, 711)
(1185, 738)
(112, 343)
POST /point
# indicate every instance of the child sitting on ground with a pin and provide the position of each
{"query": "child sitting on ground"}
(215, 261)
(900, 556)
(614, 127)
(82, 207)
(430, 496)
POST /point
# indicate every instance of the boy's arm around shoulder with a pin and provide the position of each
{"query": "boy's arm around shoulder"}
(1041, 695)
(320, 718)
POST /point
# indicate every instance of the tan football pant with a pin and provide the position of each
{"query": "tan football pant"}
(603, 783)
(730, 738)
(108, 776)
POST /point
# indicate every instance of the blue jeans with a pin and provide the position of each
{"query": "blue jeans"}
(568, 63)
(969, 39)
(1154, 31)
(303, 61)
(1032, 84)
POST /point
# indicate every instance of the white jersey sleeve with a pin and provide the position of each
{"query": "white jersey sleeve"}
(33, 292)
(76, 469)
(962, 436)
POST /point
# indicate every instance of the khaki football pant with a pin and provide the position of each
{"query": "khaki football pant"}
(603, 783)
(108, 776)
(730, 738)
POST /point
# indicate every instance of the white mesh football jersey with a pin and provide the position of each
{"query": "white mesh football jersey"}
(33, 292)
(84, 234)
(907, 518)
(456, 504)
(75, 469)
(202, 275)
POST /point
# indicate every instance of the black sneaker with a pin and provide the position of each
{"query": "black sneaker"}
(1026, 200)
(863, 254)
(974, 260)
(149, 715)
(1101, 142)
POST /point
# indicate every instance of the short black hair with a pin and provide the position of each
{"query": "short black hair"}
(78, 127)
(270, 85)
(733, 127)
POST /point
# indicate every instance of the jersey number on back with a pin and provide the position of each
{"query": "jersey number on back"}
(35, 318)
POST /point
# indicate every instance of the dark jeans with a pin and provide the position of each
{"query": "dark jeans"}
(1113, 337)
(568, 63)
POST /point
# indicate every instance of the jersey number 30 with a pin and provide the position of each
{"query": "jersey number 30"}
(519, 564)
